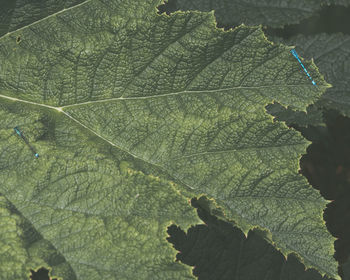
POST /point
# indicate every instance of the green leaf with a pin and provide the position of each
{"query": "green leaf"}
(331, 54)
(219, 250)
(23, 248)
(15, 14)
(96, 211)
(13, 254)
(132, 114)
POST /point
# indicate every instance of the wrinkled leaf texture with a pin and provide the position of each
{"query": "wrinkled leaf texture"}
(133, 113)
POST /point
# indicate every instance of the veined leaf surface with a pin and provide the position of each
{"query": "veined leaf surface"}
(106, 89)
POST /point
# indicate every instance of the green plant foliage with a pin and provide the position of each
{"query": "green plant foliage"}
(331, 54)
(218, 250)
(96, 211)
(106, 88)
(22, 247)
(15, 14)
(326, 166)
(14, 257)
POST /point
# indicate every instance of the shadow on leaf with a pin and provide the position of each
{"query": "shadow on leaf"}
(219, 250)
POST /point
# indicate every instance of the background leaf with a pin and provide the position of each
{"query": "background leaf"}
(272, 13)
(331, 53)
(313, 116)
(347, 270)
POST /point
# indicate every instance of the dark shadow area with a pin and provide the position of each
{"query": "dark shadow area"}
(327, 168)
(41, 274)
(168, 8)
(218, 250)
(331, 19)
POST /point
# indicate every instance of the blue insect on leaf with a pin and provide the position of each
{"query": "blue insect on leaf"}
(19, 133)
(294, 53)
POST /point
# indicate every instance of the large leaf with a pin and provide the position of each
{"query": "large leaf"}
(110, 94)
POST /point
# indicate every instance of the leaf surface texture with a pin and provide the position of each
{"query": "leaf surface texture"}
(110, 91)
